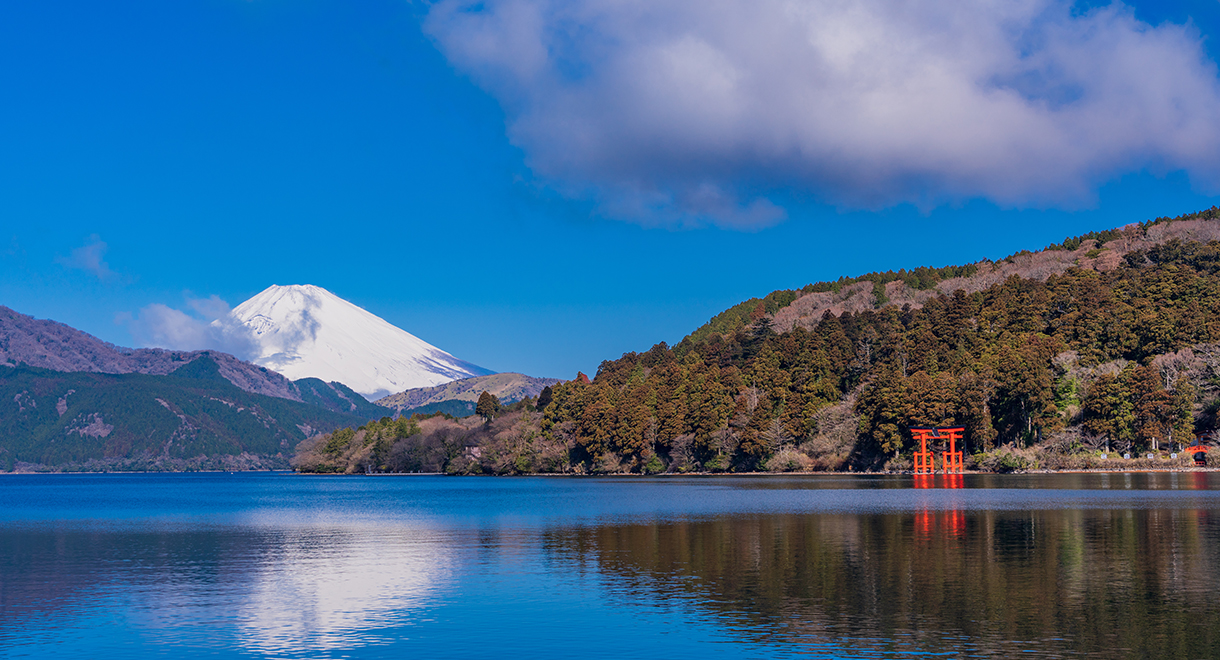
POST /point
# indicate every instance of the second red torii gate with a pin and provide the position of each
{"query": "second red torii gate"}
(951, 460)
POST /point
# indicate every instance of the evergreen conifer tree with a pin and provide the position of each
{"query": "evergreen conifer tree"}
(545, 397)
(488, 406)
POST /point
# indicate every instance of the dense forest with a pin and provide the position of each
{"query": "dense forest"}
(1039, 371)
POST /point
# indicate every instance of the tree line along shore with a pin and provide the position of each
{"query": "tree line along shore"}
(1043, 373)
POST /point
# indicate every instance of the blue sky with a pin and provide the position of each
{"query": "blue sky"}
(539, 194)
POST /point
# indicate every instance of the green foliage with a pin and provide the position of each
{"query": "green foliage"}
(204, 368)
(405, 427)
(338, 397)
(545, 397)
(738, 316)
(922, 278)
(1101, 237)
(879, 294)
(488, 406)
(1067, 393)
(339, 440)
(1005, 459)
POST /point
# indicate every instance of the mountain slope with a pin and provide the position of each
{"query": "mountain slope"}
(51, 345)
(337, 397)
(461, 395)
(191, 418)
(306, 331)
(1101, 251)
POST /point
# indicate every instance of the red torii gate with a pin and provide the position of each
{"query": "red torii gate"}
(951, 460)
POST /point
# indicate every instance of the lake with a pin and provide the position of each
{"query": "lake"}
(278, 565)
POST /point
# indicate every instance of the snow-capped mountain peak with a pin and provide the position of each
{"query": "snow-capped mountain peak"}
(259, 324)
(305, 331)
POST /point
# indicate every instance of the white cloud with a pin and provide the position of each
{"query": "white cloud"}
(211, 327)
(681, 111)
(90, 258)
(211, 308)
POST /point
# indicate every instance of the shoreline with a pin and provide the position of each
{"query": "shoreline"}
(1117, 470)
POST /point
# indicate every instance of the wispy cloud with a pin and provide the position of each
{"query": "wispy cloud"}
(211, 308)
(208, 325)
(681, 111)
(90, 258)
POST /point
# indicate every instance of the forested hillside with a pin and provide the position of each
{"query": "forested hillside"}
(193, 418)
(1117, 348)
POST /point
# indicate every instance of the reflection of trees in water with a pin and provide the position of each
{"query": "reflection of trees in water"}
(1112, 582)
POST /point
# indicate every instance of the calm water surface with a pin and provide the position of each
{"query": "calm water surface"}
(290, 566)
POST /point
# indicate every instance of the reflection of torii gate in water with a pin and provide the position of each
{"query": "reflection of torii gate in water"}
(951, 460)
(925, 464)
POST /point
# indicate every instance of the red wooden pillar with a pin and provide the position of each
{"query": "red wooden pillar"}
(952, 459)
(925, 462)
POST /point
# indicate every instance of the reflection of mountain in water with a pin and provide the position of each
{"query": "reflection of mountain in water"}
(1114, 582)
(324, 589)
(288, 590)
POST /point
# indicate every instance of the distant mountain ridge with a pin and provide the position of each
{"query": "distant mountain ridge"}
(1102, 251)
(306, 331)
(507, 387)
(52, 345)
(193, 418)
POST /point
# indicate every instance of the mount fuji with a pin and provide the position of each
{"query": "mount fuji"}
(305, 331)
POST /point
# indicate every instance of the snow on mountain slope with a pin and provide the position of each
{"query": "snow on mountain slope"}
(305, 331)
